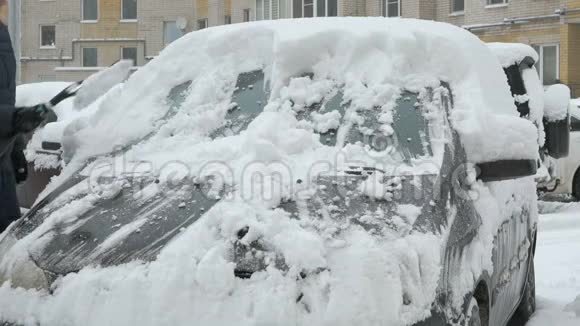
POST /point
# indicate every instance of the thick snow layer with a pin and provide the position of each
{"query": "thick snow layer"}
(558, 265)
(576, 102)
(535, 97)
(101, 82)
(557, 102)
(362, 278)
(510, 54)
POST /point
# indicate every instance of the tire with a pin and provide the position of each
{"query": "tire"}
(473, 316)
(527, 306)
(576, 186)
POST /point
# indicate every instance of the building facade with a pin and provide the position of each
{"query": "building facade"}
(70, 39)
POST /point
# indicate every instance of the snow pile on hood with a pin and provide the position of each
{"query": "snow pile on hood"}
(355, 276)
(557, 102)
(510, 54)
(576, 103)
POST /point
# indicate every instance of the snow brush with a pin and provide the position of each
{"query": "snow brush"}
(66, 93)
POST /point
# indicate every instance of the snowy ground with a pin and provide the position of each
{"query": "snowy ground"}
(558, 265)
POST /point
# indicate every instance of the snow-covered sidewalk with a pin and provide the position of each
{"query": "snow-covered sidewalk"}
(558, 265)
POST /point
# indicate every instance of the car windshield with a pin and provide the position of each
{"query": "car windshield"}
(399, 131)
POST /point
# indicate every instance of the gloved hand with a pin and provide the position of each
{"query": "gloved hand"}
(27, 119)
(20, 166)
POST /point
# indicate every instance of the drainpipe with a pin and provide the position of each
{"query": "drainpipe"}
(14, 29)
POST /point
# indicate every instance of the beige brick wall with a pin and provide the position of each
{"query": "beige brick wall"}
(570, 57)
(152, 16)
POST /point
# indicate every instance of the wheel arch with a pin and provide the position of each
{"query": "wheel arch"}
(575, 179)
(482, 295)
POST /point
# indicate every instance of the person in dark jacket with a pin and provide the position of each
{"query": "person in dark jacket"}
(14, 122)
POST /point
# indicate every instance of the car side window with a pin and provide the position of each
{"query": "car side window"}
(574, 124)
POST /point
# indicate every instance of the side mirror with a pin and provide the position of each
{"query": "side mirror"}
(557, 121)
(557, 138)
(506, 170)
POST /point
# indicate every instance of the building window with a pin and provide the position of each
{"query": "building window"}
(171, 32)
(227, 19)
(129, 10)
(247, 15)
(47, 36)
(314, 8)
(129, 54)
(391, 8)
(496, 2)
(548, 65)
(90, 10)
(90, 57)
(457, 5)
(202, 23)
(271, 9)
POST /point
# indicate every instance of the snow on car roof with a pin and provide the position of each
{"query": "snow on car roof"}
(404, 52)
(512, 53)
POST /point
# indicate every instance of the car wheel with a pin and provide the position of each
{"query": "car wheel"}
(576, 186)
(527, 306)
(473, 316)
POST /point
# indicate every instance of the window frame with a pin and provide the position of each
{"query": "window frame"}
(123, 48)
(83, 56)
(205, 22)
(40, 37)
(453, 10)
(85, 21)
(314, 8)
(540, 64)
(130, 20)
(500, 3)
(385, 8)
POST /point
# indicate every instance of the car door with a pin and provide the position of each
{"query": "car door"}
(511, 251)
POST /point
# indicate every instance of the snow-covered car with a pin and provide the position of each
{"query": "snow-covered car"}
(568, 168)
(298, 172)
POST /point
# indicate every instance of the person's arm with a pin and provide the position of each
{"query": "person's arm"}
(7, 121)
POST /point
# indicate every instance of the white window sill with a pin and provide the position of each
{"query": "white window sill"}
(499, 5)
(48, 47)
(457, 14)
(89, 21)
(129, 21)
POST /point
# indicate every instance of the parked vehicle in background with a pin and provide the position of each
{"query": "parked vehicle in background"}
(568, 169)
(373, 179)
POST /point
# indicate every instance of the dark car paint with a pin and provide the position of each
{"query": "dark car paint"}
(445, 194)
